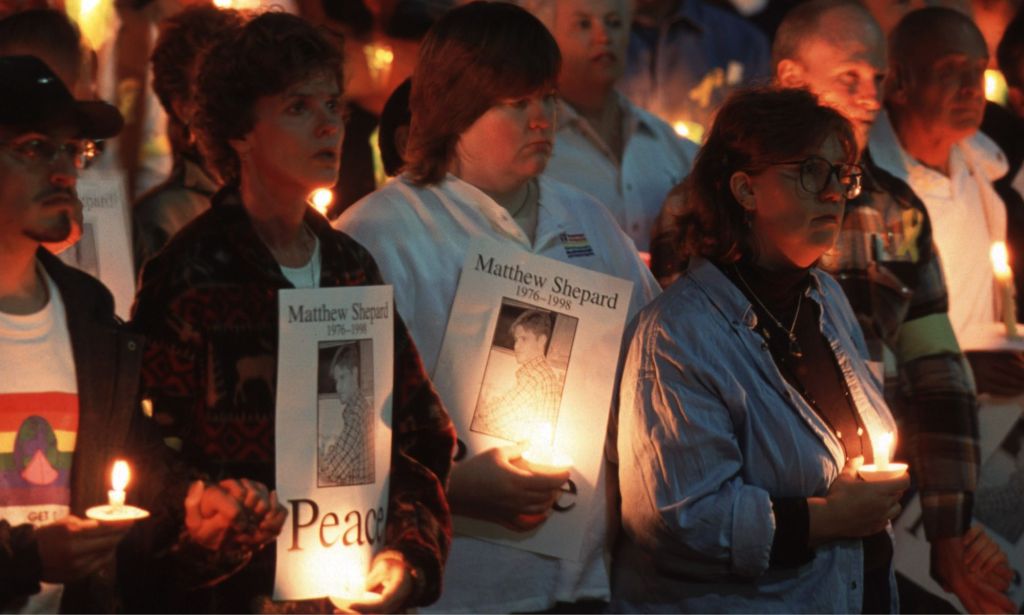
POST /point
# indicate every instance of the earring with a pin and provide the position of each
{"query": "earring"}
(748, 217)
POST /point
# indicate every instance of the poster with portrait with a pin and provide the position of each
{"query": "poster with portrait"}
(529, 358)
(335, 369)
(998, 502)
(105, 248)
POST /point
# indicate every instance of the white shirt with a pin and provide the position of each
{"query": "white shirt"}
(418, 236)
(966, 213)
(308, 275)
(39, 399)
(654, 160)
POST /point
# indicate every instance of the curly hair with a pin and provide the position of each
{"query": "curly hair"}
(472, 58)
(181, 39)
(753, 129)
(266, 56)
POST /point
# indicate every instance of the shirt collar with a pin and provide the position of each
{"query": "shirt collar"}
(634, 119)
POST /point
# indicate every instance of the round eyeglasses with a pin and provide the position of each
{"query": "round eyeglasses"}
(41, 150)
(816, 173)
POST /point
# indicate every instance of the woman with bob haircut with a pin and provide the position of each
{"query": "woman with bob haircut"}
(746, 404)
(482, 127)
(269, 123)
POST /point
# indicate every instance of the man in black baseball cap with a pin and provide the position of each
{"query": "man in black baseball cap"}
(68, 387)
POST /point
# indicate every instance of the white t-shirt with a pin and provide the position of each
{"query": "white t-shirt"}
(967, 216)
(654, 160)
(308, 275)
(38, 423)
(418, 236)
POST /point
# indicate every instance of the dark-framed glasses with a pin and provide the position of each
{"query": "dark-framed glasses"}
(41, 150)
(816, 173)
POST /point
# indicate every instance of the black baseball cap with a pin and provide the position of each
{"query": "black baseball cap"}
(33, 97)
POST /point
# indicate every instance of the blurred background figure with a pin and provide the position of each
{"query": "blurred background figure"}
(394, 129)
(623, 156)
(685, 56)
(163, 210)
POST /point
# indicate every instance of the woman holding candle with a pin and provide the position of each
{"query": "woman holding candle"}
(482, 127)
(746, 404)
(269, 122)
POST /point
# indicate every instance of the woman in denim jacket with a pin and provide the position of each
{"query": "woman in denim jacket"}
(746, 405)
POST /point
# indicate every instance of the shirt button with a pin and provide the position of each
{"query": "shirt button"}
(131, 346)
(629, 186)
(853, 585)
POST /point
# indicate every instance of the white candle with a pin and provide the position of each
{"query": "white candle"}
(883, 468)
(352, 589)
(1004, 278)
(118, 481)
(542, 457)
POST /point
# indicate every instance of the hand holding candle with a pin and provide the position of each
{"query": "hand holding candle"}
(883, 468)
(1004, 279)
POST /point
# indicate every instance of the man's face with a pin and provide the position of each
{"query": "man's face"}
(943, 87)
(37, 195)
(844, 64)
(346, 381)
(529, 346)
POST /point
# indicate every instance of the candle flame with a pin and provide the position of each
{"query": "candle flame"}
(883, 450)
(120, 476)
(995, 86)
(1001, 261)
(321, 199)
(681, 129)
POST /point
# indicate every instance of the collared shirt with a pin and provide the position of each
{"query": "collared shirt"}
(709, 431)
(532, 401)
(654, 159)
(887, 264)
(683, 69)
(208, 306)
(966, 214)
(419, 236)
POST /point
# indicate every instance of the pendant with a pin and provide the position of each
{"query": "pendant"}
(794, 347)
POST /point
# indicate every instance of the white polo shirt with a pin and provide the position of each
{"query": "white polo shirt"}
(419, 236)
(654, 160)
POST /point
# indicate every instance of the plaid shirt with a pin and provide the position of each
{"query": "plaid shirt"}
(208, 304)
(532, 402)
(887, 264)
(347, 458)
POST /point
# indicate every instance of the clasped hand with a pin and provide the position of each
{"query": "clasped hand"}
(854, 508)
(239, 512)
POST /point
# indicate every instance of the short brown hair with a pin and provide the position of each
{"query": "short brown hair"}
(754, 128)
(473, 57)
(265, 57)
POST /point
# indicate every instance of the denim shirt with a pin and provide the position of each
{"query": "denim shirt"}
(709, 431)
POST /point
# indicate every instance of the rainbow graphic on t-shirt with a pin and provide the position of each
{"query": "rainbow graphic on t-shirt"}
(37, 440)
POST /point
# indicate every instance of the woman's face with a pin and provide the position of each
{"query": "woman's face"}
(295, 144)
(793, 226)
(593, 36)
(509, 144)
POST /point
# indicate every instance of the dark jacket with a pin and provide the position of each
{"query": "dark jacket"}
(110, 425)
(208, 306)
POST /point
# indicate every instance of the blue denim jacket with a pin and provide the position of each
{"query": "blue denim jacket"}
(709, 431)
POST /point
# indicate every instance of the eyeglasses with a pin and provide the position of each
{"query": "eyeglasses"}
(40, 150)
(816, 173)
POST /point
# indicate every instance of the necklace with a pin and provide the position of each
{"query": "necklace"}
(794, 346)
(526, 199)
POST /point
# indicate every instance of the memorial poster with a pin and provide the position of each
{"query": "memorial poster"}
(333, 438)
(529, 358)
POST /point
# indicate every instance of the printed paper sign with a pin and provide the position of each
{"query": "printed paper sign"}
(529, 356)
(104, 251)
(335, 374)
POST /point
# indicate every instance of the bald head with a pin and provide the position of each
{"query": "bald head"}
(835, 49)
(930, 33)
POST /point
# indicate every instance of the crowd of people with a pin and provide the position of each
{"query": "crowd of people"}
(802, 194)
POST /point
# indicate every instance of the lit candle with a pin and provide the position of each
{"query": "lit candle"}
(352, 589)
(542, 457)
(116, 510)
(321, 199)
(883, 468)
(689, 130)
(1004, 278)
(118, 480)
